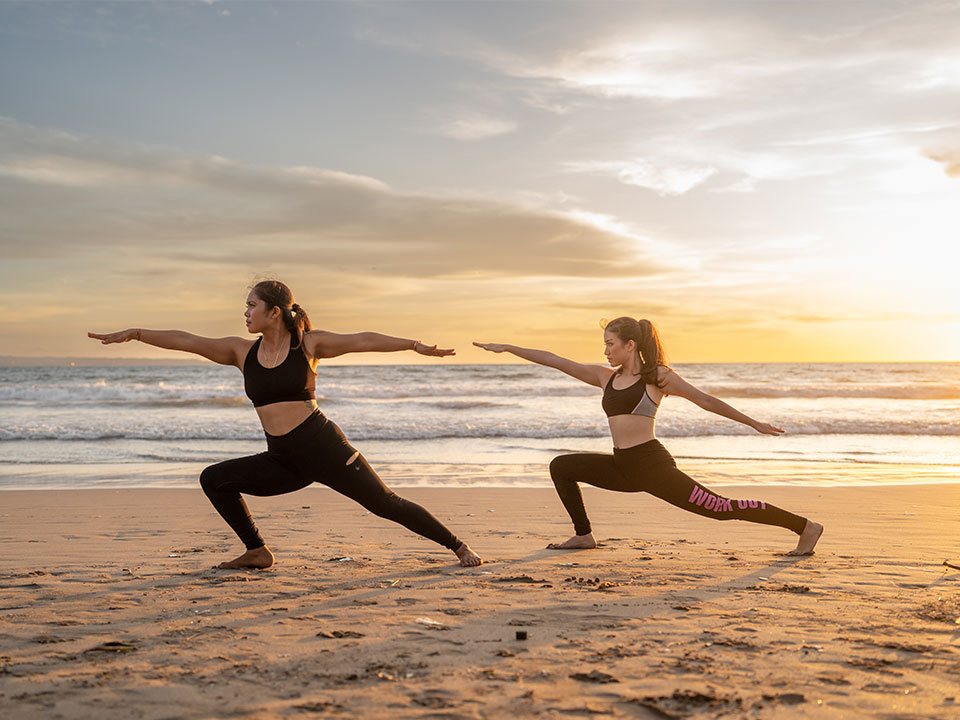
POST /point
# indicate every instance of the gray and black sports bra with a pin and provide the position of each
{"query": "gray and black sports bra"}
(632, 400)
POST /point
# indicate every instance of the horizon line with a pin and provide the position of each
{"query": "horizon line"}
(67, 361)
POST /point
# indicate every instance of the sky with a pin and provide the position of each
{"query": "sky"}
(766, 181)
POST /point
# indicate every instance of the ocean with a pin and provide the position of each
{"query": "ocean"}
(135, 426)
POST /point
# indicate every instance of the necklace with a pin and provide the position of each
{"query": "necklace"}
(276, 358)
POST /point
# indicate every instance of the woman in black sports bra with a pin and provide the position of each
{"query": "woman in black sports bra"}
(639, 463)
(303, 446)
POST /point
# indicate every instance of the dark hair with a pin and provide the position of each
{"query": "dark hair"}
(645, 335)
(276, 294)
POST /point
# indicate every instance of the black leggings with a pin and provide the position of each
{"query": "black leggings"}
(650, 468)
(314, 451)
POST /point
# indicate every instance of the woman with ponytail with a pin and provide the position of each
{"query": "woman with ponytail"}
(632, 392)
(303, 446)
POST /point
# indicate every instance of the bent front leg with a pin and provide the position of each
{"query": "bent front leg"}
(568, 471)
(260, 474)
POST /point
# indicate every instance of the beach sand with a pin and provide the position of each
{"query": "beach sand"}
(109, 608)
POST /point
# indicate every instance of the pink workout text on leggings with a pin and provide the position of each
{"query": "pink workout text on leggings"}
(709, 501)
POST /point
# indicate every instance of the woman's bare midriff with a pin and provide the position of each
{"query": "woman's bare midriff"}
(630, 430)
(282, 417)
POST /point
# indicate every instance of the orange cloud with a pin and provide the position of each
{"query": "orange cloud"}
(950, 161)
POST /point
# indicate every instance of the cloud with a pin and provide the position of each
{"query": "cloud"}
(664, 179)
(70, 171)
(685, 51)
(474, 126)
(66, 196)
(657, 69)
(950, 161)
(880, 318)
(757, 93)
(670, 168)
(617, 53)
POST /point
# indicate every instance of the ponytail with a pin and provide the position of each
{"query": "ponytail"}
(297, 322)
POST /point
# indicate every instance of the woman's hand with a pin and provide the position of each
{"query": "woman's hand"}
(116, 337)
(432, 350)
(492, 347)
(767, 429)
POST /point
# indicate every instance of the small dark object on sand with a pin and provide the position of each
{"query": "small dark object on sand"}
(115, 646)
(339, 634)
(955, 566)
(521, 634)
(594, 676)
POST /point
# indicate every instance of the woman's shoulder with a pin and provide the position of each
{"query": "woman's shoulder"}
(312, 340)
(242, 347)
(314, 335)
(665, 371)
(665, 375)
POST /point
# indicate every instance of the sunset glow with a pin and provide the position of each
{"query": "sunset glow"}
(783, 187)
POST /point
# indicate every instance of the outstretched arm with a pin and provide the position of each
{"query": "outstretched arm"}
(225, 351)
(323, 344)
(590, 374)
(673, 384)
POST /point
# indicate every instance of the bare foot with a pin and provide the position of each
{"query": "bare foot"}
(577, 542)
(257, 558)
(808, 539)
(468, 558)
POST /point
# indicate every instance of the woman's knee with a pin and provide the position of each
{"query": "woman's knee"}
(212, 477)
(561, 468)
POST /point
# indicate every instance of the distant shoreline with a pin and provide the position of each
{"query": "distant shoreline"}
(8, 361)
(817, 476)
(12, 361)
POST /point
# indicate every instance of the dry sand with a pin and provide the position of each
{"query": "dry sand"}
(109, 608)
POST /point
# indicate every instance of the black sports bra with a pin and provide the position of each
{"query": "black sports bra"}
(632, 400)
(293, 379)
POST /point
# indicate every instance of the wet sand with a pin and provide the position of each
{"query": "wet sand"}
(109, 608)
